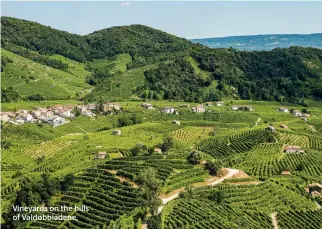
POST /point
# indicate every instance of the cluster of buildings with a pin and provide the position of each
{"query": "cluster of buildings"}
(55, 115)
(296, 113)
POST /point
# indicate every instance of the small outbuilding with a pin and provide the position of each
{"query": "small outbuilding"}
(101, 155)
(270, 128)
(116, 132)
(177, 122)
(157, 150)
(283, 126)
(293, 149)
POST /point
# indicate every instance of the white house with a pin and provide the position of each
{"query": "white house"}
(297, 113)
(116, 132)
(5, 117)
(101, 155)
(283, 109)
(25, 116)
(199, 109)
(55, 121)
(177, 122)
(147, 106)
(167, 110)
(235, 108)
(220, 103)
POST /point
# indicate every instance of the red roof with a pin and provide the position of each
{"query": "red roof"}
(292, 147)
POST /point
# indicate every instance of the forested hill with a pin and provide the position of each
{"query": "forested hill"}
(160, 65)
(263, 42)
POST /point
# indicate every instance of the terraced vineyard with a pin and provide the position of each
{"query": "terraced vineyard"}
(107, 198)
(237, 143)
(191, 134)
(47, 149)
(300, 219)
(206, 215)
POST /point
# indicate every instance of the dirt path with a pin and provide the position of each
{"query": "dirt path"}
(122, 179)
(257, 121)
(175, 194)
(274, 221)
(312, 127)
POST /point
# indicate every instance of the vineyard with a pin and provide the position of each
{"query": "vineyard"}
(270, 180)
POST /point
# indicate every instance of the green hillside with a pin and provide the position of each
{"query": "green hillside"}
(186, 71)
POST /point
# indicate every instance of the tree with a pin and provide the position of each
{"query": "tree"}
(68, 181)
(167, 144)
(216, 196)
(151, 186)
(214, 167)
(194, 157)
(100, 106)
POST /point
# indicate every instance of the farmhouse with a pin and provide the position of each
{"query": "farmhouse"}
(293, 149)
(283, 126)
(116, 132)
(25, 117)
(177, 122)
(101, 155)
(55, 121)
(296, 113)
(147, 106)
(167, 110)
(270, 128)
(199, 108)
(283, 109)
(286, 173)
(220, 103)
(65, 113)
(315, 188)
(114, 106)
(209, 104)
(88, 113)
(157, 150)
(4, 117)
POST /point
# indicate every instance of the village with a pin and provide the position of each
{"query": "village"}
(56, 115)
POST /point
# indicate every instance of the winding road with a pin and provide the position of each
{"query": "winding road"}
(231, 172)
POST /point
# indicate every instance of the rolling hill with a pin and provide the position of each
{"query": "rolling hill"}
(140, 62)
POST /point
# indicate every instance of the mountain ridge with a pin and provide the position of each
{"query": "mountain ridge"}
(286, 74)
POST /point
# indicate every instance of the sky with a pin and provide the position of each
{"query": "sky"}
(184, 19)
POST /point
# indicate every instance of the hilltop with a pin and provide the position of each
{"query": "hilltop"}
(136, 61)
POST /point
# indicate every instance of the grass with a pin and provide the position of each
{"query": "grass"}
(29, 77)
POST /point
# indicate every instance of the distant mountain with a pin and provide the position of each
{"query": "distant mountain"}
(263, 42)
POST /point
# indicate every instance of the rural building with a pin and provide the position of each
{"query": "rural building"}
(116, 132)
(167, 110)
(114, 106)
(147, 106)
(235, 108)
(315, 187)
(297, 113)
(101, 155)
(157, 150)
(286, 173)
(36, 114)
(283, 109)
(199, 109)
(283, 126)
(270, 128)
(209, 104)
(220, 103)
(293, 149)
(88, 113)
(177, 122)
(65, 113)
(25, 117)
(55, 121)
(4, 117)
(304, 118)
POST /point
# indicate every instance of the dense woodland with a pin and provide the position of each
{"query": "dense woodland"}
(289, 74)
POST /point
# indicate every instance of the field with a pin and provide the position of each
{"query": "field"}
(108, 186)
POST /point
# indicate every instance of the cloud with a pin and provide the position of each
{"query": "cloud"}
(125, 4)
